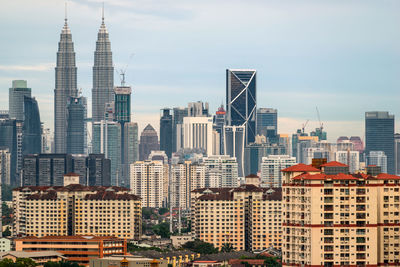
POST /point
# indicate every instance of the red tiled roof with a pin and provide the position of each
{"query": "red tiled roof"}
(334, 164)
(385, 176)
(301, 168)
(249, 261)
(71, 174)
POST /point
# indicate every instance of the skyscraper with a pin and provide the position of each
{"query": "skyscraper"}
(241, 101)
(76, 134)
(99, 170)
(5, 165)
(267, 122)
(8, 139)
(166, 132)
(131, 150)
(103, 74)
(179, 114)
(379, 135)
(148, 142)
(397, 153)
(219, 123)
(65, 87)
(122, 102)
(234, 141)
(197, 134)
(32, 128)
(16, 96)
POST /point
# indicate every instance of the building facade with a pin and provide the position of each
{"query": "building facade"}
(235, 142)
(379, 135)
(221, 171)
(241, 101)
(197, 134)
(65, 87)
(16, 96)
(148, 142)
(32, 127)
(76, 210)
(378, 158)
(166, 129)
(76, 129)
(267, 122)
(271, 167)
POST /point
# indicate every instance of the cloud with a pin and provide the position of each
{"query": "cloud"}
(37, 67)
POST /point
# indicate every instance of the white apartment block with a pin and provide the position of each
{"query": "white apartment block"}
(221, 171)
(350, 158)
(197, 132)
(149, 180)
(271, 166)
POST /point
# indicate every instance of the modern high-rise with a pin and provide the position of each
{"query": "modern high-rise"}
(76, 134)
(32, 127)
(267, 122)
(99, 170)
(8, 139)
(16, 96)
(103, 74)
(339, 219)
(148, 179)
(197, 134)
(166, 130)
(198, 109)
(379, 135)
(131, 150)
(378, 158)
(234, 142)
(350, 158)
(122, 104)
(271, 166)
(221, 171)
(148, 142)
(397, 153)
(219, 123)
(241, 101)
(77, 210)
(178, 115)
(5, 166)
(65, 87)
(106, 139)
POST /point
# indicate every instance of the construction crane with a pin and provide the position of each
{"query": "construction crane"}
(304, 126)
(122, 72)
(321, 125)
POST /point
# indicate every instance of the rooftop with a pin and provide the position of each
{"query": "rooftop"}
(33, 254)
(334, 164)
(301, 168)
(74, 238)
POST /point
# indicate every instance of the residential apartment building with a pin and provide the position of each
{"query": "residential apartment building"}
(271, 167)
(149, 181)
(76, 249)
(335, 219)
(76, 210)
(248, 217)
(221, 171)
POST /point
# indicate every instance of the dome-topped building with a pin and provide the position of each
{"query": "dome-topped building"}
(148, 142)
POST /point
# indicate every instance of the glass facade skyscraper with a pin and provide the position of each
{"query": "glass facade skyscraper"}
(379, 135)
(166, 132)
(241, 101)
(267, 122)
(16, 96)
(76, 133)
(32, 128)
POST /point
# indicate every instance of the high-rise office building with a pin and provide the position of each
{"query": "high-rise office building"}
(271, 167)
(197, 134)
(379, 135)
(234, 141)
(241, 101)
(16, 96)
(198, 109)
(397, 153)
(148, 142)
(166, 130)
(103, 74)
(8, 139)
(219, 123)
(178, 115)
(267, 122)
(148, 181)
(106, 139)
(5, 166)
(32, 128)
(122, 104)
(65, 88)
(76, 134)
(131, 150)
(99, 170)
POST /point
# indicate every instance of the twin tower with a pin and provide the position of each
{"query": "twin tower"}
(66, 81)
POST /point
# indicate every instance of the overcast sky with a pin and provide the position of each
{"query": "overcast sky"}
(340, 55)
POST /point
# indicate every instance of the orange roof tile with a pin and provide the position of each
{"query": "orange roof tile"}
(301, 168)
(334, 164)
(385, 176)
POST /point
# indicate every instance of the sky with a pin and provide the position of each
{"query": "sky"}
(342, 56)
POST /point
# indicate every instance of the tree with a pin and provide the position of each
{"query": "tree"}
(7, 232)
(61, 264)
(6, 263)
(24, 262)
(162, 229)
(6, 192)
(201, 247)
(162, 211)
(227, 247)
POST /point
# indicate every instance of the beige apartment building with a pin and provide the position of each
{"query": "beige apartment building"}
(248, 217)
(332, 218)
(76, 210)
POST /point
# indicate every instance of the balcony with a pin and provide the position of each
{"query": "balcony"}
(360, 191)
(328, 240)
(360, 256)
(328, 191)
(328, 200)
(328, 248)
(360, 248)
(328, 256)
(360, 199)
(360, 207)
(360, 216)
(360, 240)
(328, 208)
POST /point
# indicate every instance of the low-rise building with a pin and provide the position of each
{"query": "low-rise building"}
(127, 261)
(79, 249)
(179, 240)
(5, 244)
(39, 257)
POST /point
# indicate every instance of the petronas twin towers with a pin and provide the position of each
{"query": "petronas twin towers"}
(66, 81)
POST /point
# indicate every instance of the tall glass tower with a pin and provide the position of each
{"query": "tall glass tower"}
(16, 96)
(241, 100)
(379, 135)
(32, 127)
(103, 74)
(65, 87)
(76, 134)
(166, 132)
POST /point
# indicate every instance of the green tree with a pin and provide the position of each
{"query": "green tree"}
(7, 232)
(162, 211)
(6, 263)
(6, 192)
(201, 247)
(162, 229)
(227, 247)
(24, 262)
(61, 264)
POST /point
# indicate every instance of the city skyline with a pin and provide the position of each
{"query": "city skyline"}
(292, 68)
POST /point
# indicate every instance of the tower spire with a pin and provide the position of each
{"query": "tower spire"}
(102, 14)
(65, 11)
